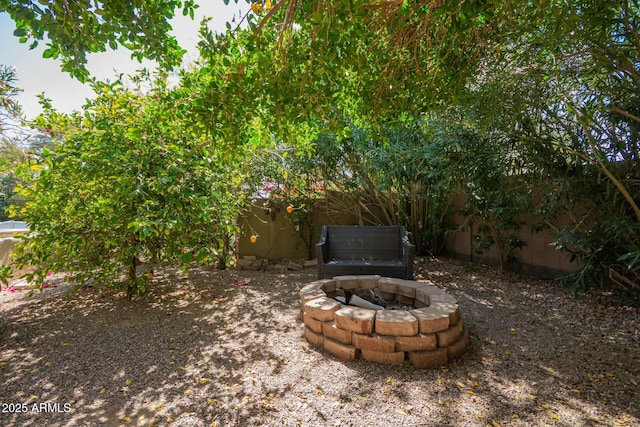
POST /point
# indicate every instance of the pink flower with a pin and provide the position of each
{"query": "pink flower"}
(47, 130)
(269, 186)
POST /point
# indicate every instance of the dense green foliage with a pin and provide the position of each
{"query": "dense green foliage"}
(126, 185)
(74, 28)
(10, 156)
(399, 178)
(10, 153)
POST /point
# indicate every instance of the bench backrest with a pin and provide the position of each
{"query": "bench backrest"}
(364, 242)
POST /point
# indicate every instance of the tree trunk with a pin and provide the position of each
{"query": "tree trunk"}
(132, 284)
(226, 247)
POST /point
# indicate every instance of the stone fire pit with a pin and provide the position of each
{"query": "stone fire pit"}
(429, 335)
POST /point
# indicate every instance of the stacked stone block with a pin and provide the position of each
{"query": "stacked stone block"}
(428, 336)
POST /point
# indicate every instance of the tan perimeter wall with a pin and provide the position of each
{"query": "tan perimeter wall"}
(277, 240)
(538, 258)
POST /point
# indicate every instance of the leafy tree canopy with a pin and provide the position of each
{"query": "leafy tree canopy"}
(74, 28)
(126, 184)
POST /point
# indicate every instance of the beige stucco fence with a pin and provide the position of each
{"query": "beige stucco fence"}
(278, 239)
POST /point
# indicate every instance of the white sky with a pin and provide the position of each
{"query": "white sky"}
(36, 74)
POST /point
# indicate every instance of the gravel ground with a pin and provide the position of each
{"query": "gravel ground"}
(201, 350)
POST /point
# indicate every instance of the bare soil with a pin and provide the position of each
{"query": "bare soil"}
(226, 348)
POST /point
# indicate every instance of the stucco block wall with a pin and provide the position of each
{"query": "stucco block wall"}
(279, 240)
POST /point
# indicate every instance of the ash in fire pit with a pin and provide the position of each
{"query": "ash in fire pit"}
(383, 319)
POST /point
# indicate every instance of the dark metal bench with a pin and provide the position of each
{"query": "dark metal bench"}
(345, 250)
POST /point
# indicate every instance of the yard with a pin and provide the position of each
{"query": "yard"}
(226, 348)
(515, 123)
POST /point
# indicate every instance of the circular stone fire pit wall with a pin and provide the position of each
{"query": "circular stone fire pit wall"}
(428, 336)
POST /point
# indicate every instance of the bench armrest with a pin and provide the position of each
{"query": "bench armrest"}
(322, 247)
(322, 252)
(408, 250)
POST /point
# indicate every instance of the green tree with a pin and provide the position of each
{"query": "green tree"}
(74, 28)
(286, 181)
(10, 156)
(399, 178)
(564, 96)
(10, 153)
(127, 185)
(499, 193)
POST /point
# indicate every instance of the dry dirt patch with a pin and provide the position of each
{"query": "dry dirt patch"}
(226, 347)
